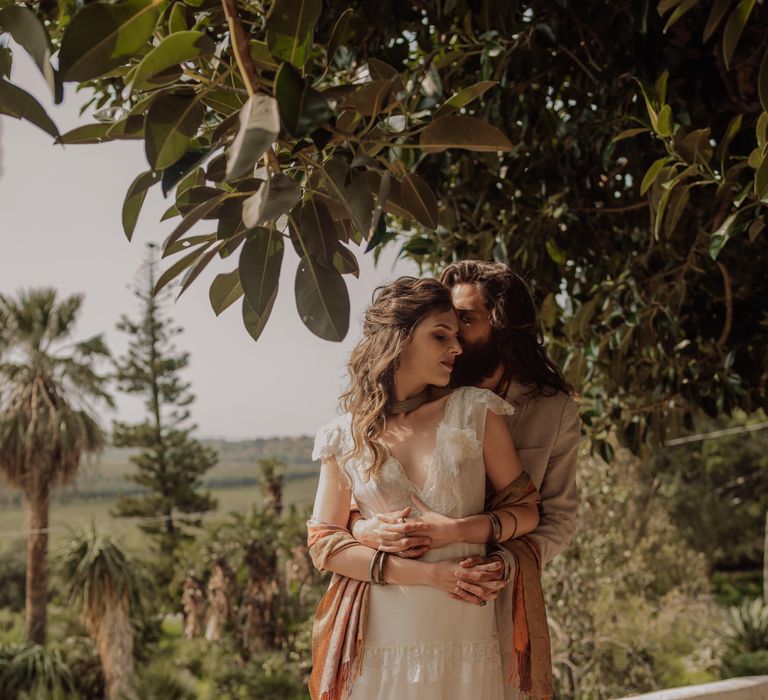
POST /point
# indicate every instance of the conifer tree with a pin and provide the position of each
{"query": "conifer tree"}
(171, 463)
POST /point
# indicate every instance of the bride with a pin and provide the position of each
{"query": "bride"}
(392, 628)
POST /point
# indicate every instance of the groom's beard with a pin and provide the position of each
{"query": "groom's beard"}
(477, 362)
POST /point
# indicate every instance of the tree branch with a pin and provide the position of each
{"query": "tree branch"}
(728, 291)
(239, 40)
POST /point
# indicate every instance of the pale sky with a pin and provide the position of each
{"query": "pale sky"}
(60, 225)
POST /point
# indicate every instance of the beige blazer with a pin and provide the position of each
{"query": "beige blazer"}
(546, 431)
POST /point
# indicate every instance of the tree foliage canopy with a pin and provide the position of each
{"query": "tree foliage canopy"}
(615, 151)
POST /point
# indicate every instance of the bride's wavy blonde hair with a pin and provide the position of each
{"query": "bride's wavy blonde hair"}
(396, 310)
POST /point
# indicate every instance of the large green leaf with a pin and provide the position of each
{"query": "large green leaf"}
(170, 52)
(463, 97)
(420, 200)
(102, 36)
(761, 180)
(337, 35)
(734, 28)
(254, 321)
(344, 261)
(371, 98)
(6, 62)
(275, 197)
(29, 32)
(15, 102)
(301, 106)
(652, 173)
(290, 28)
(88, 133)
(178, 18)
(225, 290)
(680, 10)
(677, 203)
(322, 300)
(762, 82)
(716, 14)
(457, 131)
(190, 197)
(200, 264)
(182, 264)
(192, 218)
(171, 123)
(722, 235)
(352, 191)
(259, 127)
(260, 261)
(314, 235)
(135, 198)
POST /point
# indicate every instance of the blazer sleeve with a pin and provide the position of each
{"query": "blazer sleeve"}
(559, 502)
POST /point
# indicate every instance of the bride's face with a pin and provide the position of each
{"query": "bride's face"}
(429, 356)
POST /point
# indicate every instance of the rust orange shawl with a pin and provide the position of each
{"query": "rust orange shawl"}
(337, 632)
(525, 642)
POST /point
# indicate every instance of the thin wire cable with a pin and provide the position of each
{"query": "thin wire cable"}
(738, 430)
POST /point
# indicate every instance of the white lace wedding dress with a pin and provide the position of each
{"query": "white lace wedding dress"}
(420, 644)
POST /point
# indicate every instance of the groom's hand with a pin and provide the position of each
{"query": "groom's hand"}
(441, 529)
(479, 579)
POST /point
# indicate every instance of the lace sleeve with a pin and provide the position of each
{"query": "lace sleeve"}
(329, 440)
(477, 403)
(493, 402)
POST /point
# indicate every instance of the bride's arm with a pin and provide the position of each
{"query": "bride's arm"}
(502, 467)
(332, 506)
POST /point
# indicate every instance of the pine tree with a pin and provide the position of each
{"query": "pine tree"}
(171, 463)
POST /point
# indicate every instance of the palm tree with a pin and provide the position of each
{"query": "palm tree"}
(108, 587)
(46, 423)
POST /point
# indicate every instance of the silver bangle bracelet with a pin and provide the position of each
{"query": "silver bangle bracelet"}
(495, 527)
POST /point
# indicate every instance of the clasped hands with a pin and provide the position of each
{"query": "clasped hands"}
(474, 579)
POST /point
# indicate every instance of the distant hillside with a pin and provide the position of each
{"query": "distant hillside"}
(108, 475)
(293, 451)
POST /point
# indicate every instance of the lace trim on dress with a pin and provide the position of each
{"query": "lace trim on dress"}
(429, 663)
(330, 439)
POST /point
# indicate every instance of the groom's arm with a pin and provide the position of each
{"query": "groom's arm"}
(559, 501)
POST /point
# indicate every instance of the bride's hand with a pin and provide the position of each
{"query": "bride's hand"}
(440, 529)
(444, 575)
(390, 532)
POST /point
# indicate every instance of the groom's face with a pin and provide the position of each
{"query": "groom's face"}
(480, 357)
(474, 322)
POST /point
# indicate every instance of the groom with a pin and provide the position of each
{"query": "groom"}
(503, 352)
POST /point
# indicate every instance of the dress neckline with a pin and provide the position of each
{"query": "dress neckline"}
(430, 457)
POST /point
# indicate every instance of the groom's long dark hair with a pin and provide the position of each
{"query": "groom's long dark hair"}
(514, 320)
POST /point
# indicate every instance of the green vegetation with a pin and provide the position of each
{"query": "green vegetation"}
(170, 463)
(615, 152)
(46, 422)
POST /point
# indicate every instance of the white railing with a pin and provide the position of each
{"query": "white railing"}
(749, 688)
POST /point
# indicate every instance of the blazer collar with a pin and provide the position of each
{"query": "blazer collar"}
(517, 393)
